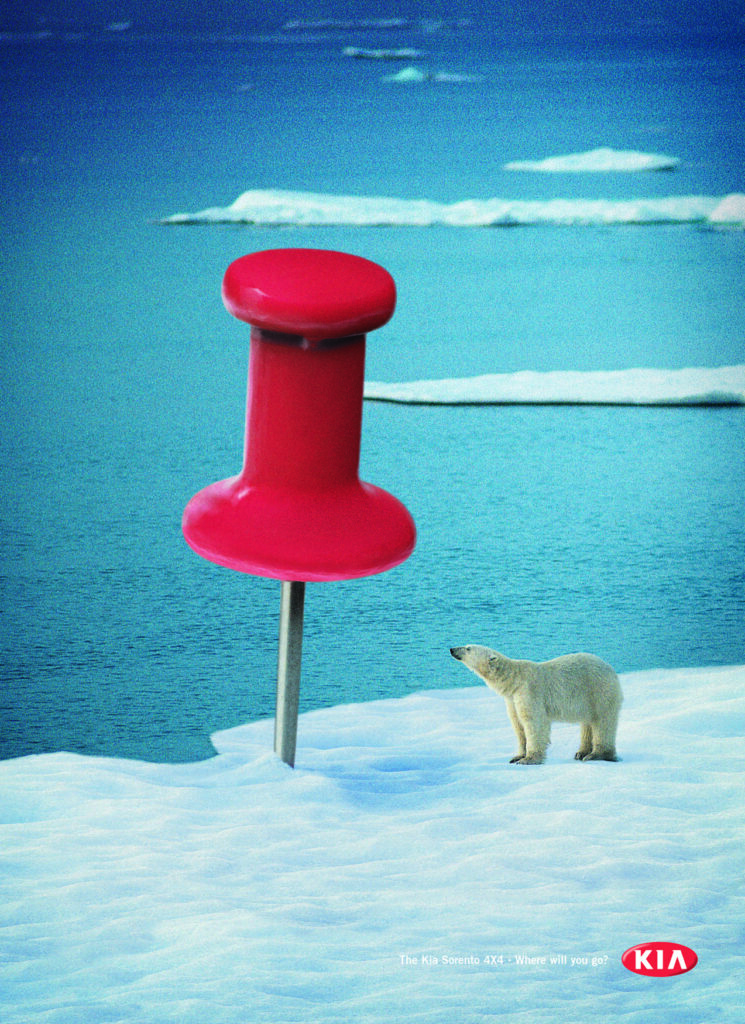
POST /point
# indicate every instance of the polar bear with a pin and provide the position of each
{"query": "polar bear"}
(573, 688)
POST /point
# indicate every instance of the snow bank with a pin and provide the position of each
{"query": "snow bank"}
(279, 207)
(403, 863)
(694, 386)
(598, 160)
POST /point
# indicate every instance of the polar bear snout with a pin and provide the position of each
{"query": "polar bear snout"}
(458, 652)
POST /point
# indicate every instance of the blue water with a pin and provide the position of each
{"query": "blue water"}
(541, 530)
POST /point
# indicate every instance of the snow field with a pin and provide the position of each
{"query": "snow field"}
(393, 867)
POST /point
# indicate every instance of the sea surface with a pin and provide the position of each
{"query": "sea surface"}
(541, 528)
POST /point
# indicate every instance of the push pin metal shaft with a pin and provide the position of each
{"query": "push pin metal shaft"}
(292, 599)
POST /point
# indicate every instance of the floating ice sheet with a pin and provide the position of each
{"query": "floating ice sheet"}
(601, 160)
(693, 386)
(279, 207)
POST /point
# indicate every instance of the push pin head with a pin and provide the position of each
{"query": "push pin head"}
(313, 294)
(298, 510)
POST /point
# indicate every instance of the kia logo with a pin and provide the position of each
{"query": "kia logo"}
(659, 959)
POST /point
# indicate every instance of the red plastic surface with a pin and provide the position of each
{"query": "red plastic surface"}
(313, 293)
(298, 510)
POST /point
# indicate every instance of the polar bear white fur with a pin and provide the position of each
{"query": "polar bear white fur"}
(573, 688)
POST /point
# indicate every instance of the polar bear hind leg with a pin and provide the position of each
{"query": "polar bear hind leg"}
(603, 740)
(585, 742)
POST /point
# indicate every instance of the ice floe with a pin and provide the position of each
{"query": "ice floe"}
(413, 75)
(731, 210)
(408, 75)
(279, 207)
(691, 386)
(598, 160)
(364, 53)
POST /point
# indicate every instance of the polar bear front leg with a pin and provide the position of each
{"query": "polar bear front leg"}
(519, 731)
(537, 728)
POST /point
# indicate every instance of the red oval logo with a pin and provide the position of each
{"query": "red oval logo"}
(659, 959)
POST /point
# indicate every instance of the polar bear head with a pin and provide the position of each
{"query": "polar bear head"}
(489, 665)
(481, 660)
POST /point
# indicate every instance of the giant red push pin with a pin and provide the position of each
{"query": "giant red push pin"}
(298, 511)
